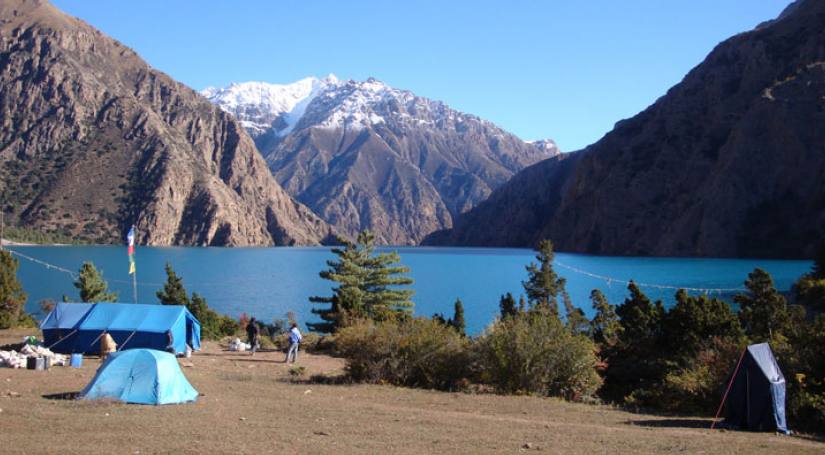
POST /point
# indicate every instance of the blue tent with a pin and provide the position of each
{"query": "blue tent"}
(142, 376)
(59, 326)
(77, 327)
(756, 400)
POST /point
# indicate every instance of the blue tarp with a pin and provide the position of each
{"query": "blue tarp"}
(756, 400)
(59, 326)
(77, 327)
(142, 376)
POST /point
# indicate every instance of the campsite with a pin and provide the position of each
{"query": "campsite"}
(254, 404)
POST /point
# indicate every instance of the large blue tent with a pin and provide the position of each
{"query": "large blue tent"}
(756, 400)
(77, 327)
(142, 376)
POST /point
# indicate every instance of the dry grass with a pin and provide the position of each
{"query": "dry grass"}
(251, 404)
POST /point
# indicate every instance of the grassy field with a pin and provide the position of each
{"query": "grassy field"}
(253, 404)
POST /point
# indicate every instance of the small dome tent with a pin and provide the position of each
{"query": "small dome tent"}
(142, 376)
(756, 399)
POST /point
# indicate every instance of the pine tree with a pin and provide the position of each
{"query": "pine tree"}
(640, 318)
(367, 286)
(636, 360)
(507, 306)
(173, 292)
(12, 296)
(605, 324)
(577, 322)
(763, 310)
(810, 288)
(696, 323)
(543, 285)
(522, 304)
(92, 286)
(458, 318)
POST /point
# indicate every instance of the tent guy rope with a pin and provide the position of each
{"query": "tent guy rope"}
(610, 280)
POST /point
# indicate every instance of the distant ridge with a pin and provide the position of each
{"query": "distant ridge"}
(362, 154)
(93, 140)
(729, 163)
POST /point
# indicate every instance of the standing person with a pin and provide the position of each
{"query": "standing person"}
(253, 330)
(294, 340)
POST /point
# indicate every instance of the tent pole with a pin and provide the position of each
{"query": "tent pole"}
(730, 384)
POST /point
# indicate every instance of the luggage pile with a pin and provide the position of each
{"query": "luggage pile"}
(14, 359)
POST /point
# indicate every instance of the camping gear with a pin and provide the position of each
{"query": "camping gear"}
(12, 359)
(78, 327)
(238, 345)
(756, 392)
(142, 376)
(77, 360)
(36, 363)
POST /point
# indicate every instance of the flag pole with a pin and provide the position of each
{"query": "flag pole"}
(130, 242)
(134, 280)
(134, 287)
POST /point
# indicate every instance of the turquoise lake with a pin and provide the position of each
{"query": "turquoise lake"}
(268, 282)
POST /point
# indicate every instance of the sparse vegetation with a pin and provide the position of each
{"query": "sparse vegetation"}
(12, 296)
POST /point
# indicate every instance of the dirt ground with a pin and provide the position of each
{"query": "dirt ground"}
(252, 404)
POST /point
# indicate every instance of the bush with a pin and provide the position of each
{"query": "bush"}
(311, 342)
(412, 352)
(532, 352)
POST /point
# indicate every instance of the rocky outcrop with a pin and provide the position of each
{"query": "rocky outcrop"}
(730, 162)
(362, 154)
(93, 140)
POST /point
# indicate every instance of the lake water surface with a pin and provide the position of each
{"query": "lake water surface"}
(268, 282)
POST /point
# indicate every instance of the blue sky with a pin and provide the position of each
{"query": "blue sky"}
(566, 70)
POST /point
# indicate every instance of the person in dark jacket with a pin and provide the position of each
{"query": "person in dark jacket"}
(253, 331)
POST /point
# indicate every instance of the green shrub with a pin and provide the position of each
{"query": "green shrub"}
(311, 342)
(532, 352)
(412, 352)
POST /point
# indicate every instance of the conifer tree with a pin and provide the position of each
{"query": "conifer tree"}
(762, 310)
(213, 324)
(507, 306)
(173, 292)
(577, 322)
(458, 318)
(636, 360)
(12, 297)
(605, 324)
(810, 288)
(695, 323)
(522, 304)
(640, 319)
(367, 285)
(543, 285)
(92, 286)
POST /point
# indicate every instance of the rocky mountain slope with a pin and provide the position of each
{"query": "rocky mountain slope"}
(93, 140)
(730, 162)
(362, 154)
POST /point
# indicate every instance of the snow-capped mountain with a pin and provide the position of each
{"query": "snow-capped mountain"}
(363, 154)
(261, 107)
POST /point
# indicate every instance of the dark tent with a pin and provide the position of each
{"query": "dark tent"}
(77, 327)
(756, 399)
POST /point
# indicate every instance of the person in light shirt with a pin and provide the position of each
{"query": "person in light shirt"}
(294, 340)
